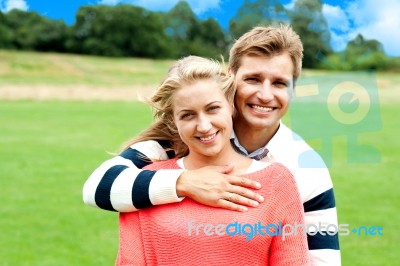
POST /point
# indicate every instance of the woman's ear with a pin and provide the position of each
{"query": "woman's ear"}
(230, 73)
(234, 112)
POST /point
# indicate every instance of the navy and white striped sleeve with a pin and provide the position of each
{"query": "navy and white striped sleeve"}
(321, 217)
(119, 184)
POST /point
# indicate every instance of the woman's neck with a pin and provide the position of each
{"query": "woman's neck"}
(226, 157)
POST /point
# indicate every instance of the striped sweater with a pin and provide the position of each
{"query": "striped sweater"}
(119, 184)
(186, 234)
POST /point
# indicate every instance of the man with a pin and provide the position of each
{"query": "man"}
(265, 64)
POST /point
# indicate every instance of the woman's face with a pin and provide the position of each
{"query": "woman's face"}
(203, 117)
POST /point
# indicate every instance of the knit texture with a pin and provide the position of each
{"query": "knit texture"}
(178, 234)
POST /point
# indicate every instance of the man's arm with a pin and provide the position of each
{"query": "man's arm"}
(120, 185)
(320, 214)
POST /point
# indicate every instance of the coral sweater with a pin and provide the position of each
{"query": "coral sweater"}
(188, 233)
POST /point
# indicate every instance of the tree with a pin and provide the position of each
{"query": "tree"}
(6, 35)
(30, 31)
(207, 39)
(180, 23)
(308, 21)
(365, 54)
(192, 36)
(259, 12)
(123, 30)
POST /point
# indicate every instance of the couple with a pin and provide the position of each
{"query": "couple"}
(264, 64)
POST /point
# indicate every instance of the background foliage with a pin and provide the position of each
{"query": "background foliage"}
(127, 30)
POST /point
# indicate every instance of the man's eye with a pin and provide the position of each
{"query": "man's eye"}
(281, 84)
(251, 80)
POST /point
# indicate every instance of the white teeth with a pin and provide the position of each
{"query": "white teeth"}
(208, 138)
(262, 109)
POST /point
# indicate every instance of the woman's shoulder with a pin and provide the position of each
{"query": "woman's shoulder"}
(262, 166)
(272, 171)
(164, 164)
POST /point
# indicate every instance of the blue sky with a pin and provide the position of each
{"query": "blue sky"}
(373, 19)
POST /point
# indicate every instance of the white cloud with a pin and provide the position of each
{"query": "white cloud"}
(202, 6)
(377, 20)
(373, 19)
(336, 18)
(338, 41)
(8, 5)
(198, 7)
(290, 5)
(109, 2)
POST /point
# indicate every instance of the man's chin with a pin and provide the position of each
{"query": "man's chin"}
(260, 124)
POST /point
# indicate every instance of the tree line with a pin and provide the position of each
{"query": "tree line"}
(131, 31)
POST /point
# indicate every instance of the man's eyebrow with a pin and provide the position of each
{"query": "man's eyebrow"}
(253, 74)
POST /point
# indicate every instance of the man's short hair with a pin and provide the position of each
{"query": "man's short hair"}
(268, 41)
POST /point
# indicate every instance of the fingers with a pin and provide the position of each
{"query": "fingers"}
(212, 188)
(225, 204)
(245, 196)
(235, 202)
(244, 182)
(249, 198)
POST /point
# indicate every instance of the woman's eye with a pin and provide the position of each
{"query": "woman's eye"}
(214, 108)
(186, 116)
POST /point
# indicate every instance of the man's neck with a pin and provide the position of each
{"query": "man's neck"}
(253, 138)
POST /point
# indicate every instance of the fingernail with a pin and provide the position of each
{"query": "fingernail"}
(243, 209)
(255, 204)
(258, 185)
(261, 198)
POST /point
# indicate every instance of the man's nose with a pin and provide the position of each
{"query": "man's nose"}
(265, 94)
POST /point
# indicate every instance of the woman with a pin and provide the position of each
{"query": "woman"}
(194, 108)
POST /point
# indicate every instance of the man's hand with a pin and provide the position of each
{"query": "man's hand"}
(213, 186)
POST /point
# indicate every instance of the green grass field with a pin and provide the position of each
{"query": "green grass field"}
(48, 149)
(20, 68)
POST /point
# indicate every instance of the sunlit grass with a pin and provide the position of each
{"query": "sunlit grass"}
(48, 149)
(22, 68)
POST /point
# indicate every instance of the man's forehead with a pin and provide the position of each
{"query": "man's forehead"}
(257, 65)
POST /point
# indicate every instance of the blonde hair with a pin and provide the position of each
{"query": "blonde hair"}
(185, 71)
(268, 41)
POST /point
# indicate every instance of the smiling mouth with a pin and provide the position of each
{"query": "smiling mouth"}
(208, 138)
(261, 109)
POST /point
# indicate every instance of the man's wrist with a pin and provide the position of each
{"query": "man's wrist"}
(180, 185)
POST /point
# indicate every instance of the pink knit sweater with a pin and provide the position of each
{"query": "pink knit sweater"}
(188, 233)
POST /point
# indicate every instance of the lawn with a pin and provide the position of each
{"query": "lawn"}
(49, 148)
(21, 68)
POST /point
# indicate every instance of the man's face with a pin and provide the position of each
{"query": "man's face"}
(263, 87)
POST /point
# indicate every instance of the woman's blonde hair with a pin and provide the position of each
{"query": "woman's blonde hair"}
(185, 71)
